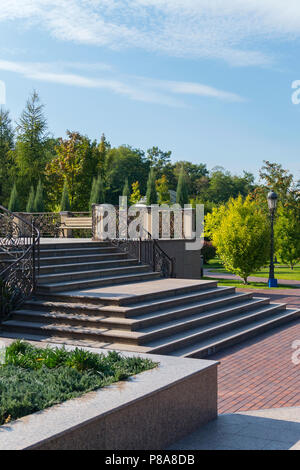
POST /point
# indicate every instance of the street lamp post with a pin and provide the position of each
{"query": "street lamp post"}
(272, 203)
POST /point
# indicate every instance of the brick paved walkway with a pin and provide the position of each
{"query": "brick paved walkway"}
(260, 373)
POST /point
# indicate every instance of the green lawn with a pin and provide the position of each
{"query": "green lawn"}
(32, 379)
(281, 271)
(251, 285)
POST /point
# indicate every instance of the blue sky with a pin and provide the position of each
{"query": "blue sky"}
(208, 79)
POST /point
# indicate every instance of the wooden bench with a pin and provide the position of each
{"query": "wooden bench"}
(71, 223)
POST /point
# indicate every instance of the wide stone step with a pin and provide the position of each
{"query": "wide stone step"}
(97, 282)
(73, 319)
(143, 310)
(135, 293)
(77, 332)
(73, 267)
(195, 335)
(73, 244)
(50, 279)
(81, 259)
(77, 251)
(234, 336)
(183, 317)
(167, 323)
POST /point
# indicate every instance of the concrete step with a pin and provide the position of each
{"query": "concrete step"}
(72, 244)
(81, 259)
(172, 321)
(73, 267)
(77, 251)
(97, 282)
(133, 295)
(195, 335)
(73, 319)
(50, 279)
(67, 331)
(212, 345)
(191, 314)
(143, 310)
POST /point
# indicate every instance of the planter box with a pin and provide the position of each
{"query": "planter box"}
(149, 411)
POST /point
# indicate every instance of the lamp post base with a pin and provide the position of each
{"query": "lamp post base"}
(272, 282)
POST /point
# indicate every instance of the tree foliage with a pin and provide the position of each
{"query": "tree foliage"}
(182, 193)
(151, 194)
(287, 236)
(240, 231)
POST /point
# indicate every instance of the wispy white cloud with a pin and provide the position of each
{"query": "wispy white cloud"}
(135, 88)
(232, 30)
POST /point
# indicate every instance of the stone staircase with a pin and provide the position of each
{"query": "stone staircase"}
(92, 294)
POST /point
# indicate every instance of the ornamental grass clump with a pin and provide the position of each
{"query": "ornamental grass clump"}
(32, 379)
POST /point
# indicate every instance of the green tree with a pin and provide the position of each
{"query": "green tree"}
(39, 205)
(193, 173)
(97, 192)
(75, 162)
(6, 146)
(125, 160)
(240, 231)
(151, 194)
(158, 159)
(65, 200)
(126, 189)
(182, 194)
(31, 152)
(287, 236)
(30, 202)
(14, 203)
(103, 148)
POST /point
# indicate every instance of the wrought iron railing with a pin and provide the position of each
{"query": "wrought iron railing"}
(147, 251)
(19, 260)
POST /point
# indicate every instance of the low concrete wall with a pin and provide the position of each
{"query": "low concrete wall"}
(150, 411)
(188, 263)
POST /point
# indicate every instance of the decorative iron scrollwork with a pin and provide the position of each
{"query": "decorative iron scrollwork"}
(19, 255)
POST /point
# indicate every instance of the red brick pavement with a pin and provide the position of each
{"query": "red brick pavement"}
(260, 373)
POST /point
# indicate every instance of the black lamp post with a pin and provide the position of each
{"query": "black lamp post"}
(272, 203)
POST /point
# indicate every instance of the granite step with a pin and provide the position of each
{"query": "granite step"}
(97, 282)
(195, 335)
(156, 289)
(82, 259)
(212, 345)
(50, 279)
(145, 310)
(73, 267)
(77, 251)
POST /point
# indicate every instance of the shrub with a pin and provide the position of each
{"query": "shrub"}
(208, 251)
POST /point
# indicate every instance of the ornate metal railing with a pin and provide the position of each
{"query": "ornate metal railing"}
(147, 251)
(19, 260)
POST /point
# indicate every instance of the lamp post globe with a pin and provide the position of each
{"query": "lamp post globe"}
(272, 203)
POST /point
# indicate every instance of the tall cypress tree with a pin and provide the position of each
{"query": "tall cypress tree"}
(39, 205)
(14, 204)
(151, 194)
(6, 145)
(126, 189)
(97, 192)
(182, 194)
(65, 200)
(30, 202)
(31, 152)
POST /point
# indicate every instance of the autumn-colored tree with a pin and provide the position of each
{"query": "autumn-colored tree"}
(136, 193)
(75, 164)
(163, 190)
